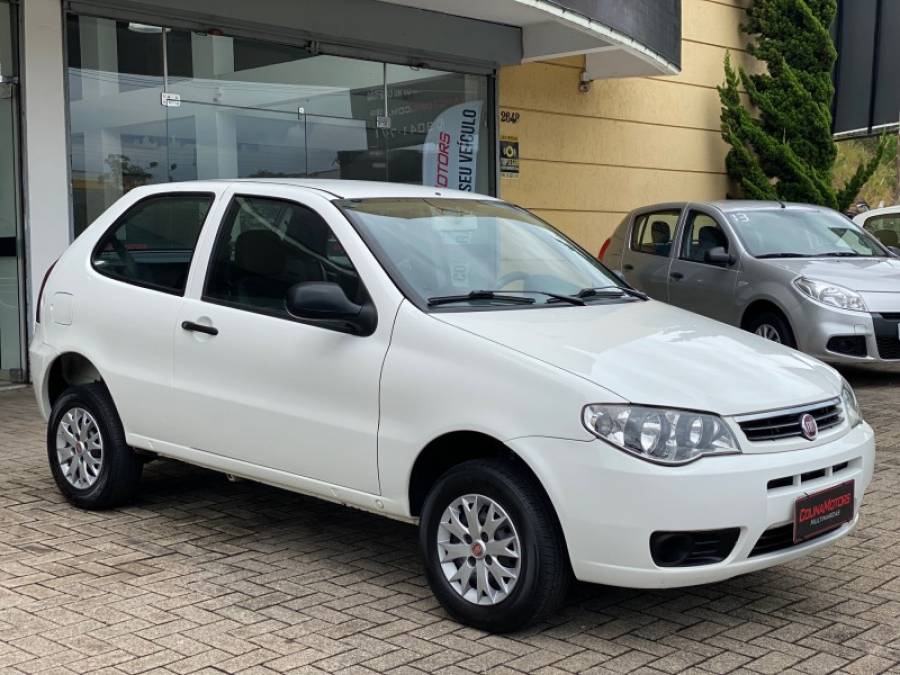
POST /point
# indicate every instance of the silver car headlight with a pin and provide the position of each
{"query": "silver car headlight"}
(661, 435)
(830, 294)
(851, 405)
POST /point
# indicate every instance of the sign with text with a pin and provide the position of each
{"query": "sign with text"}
(509, 156)
(450, 153)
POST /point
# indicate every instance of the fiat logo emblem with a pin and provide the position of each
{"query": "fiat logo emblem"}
(809, 427)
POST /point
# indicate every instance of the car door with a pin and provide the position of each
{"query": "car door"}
(260, 386)
(126, 312)
(648, 250)
(695, 283)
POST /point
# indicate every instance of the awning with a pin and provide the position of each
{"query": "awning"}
(620, 38)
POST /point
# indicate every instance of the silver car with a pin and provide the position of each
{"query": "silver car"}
(801, 275)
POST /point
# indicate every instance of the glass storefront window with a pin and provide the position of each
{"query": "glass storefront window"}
(11, 323)
(256, 109)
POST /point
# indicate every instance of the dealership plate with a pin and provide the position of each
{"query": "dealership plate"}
(822, 511)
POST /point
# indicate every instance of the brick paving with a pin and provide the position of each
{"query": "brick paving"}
(205, 576)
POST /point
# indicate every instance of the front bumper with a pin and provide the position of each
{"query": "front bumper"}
(817, 325)
(610, 503)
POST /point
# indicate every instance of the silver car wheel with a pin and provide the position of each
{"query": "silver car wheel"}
(769, 332)
(79, 448)
(479, 549)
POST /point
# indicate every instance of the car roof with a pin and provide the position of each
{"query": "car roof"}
(878, 212)
(733, 205)
(343, 189)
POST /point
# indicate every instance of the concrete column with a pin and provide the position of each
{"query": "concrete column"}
(215, 127)
(45, 151)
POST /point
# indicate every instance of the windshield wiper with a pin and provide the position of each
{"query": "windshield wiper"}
(783, 255)
(839, 254)
(479, 295)
(611, 292)
(571, 299)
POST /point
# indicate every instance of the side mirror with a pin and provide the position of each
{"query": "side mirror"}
(719, 256)
(324, 303)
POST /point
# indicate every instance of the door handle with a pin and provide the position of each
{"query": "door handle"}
(199, 328)
(628, 267)
(678, 276)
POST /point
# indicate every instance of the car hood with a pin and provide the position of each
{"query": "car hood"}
(879, 275)
(656, 354)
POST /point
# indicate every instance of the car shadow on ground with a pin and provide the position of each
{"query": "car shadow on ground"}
(327, 540)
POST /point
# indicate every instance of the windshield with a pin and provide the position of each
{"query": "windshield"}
(802, 233)
(444, 250)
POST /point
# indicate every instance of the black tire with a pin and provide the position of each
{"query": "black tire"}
(544, 575)
(776, 321)
(120, 470)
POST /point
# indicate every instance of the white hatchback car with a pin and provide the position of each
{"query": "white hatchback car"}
(442, 358)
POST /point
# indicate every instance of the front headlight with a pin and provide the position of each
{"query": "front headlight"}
(661, 435)
(830, 294)
(851, 405)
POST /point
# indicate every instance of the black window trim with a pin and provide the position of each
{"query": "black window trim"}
(678, 211)
(212, 196)
(328, 324)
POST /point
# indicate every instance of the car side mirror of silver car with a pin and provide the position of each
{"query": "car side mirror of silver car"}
(325, 304)
(719, 256)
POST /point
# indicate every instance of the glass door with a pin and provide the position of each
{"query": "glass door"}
(11, 325)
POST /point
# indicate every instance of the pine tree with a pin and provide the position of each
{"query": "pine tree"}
(785, 150)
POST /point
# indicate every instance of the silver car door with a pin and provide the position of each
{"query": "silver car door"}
(697, 282)
(647, 252)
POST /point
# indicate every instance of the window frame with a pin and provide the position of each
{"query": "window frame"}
(637, 229)
(118, 222)
(284, 315)
(685, 233)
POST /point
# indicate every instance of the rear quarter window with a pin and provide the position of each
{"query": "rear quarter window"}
(152, 244)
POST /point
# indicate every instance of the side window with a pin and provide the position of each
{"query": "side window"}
(152, 244)
(701, 234)
(653, 232)
(886, 228)
(267, 245)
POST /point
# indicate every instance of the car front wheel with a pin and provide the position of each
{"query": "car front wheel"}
(494, 554)
(91, 463)
(773, 327)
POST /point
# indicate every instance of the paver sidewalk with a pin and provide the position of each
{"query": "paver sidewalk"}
(206, 576)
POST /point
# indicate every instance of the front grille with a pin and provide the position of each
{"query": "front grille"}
(779, 538)
(786, 423)
(887, 337)
(888, 347)
(825, 472)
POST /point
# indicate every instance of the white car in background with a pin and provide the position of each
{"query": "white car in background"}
(445, 359)
(884, 223)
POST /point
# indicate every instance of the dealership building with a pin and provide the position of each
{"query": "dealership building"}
(577, 109)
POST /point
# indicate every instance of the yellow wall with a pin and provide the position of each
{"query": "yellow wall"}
(589, 158)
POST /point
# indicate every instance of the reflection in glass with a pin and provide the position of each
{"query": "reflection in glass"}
(256, 109)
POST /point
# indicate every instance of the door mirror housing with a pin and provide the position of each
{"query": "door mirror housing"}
(324, 303)
(719, 256)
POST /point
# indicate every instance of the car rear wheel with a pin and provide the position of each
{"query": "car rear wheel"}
(91, 463)
(494, 554)
(772, 326)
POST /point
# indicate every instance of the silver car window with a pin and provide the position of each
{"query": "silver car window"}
(701, 234)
